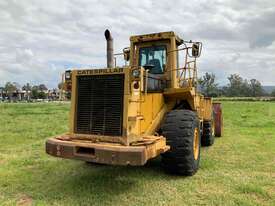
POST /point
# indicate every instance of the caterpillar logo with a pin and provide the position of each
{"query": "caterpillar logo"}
(99, 71)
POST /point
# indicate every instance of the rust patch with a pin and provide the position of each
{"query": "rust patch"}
(108, 153)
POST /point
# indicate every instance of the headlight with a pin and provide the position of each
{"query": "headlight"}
(68, 75)
(136, 73)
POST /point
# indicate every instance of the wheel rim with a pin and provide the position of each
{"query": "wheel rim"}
(196, 144)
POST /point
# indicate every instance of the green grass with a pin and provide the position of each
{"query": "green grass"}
(238, 170)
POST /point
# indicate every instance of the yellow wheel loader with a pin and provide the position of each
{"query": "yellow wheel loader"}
(149, 107)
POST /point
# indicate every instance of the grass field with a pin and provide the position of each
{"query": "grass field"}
(238, 170)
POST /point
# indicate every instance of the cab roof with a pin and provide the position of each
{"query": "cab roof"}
(155, 37)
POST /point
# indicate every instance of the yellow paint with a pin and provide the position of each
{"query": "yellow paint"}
(196, 143)
(150, 108)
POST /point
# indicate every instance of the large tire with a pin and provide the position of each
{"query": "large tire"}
(181, 129)
(208, 137)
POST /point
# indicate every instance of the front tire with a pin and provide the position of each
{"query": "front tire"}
(182, 132)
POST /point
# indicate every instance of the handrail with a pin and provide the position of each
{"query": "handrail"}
(187, 72)
(115, 58)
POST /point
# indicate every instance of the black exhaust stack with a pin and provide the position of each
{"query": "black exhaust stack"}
(110, 49)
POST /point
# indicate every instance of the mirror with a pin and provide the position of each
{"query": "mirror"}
(195, 49)
(126, 53)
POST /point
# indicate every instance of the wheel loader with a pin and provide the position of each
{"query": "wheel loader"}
(151, 106)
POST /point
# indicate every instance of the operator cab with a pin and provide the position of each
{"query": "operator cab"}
(157, 54)
(169, 61)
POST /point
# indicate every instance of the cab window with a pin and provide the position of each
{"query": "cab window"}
(154, 57)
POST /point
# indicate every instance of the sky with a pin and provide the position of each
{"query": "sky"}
(40, 39)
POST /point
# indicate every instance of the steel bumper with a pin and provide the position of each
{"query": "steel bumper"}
(105, 153)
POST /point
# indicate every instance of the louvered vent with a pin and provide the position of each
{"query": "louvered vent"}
(100, 104)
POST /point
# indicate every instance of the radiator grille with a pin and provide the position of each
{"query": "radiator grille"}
(100, 104)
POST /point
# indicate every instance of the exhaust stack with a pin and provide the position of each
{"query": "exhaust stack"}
(110, 49)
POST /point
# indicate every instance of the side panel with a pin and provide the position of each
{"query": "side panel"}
(206, 104)
(157, 104)
(150, 108)
(146, 112)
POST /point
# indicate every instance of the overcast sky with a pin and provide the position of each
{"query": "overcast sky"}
(39, 39)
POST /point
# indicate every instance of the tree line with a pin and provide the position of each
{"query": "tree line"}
(236, 87)
(11, 89)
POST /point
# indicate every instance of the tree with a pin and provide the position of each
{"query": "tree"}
(28, 89)
(245, 89)
(237, 86)
(42, 95)
(37, 92)
(60, 85)
(34, 92)
(10, 88)
(42, 87)
(1, 92)
(273, 93)
(208, 86)
(256, 88)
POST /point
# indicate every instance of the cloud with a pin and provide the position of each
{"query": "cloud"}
(261, 29)
(24, 56)
(40, 39)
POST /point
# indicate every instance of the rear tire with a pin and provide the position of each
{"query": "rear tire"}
(219, 127)
(208, 137)
(218, 119)
(181, 129)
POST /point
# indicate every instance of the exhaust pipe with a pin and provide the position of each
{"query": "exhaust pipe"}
(110, 49)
